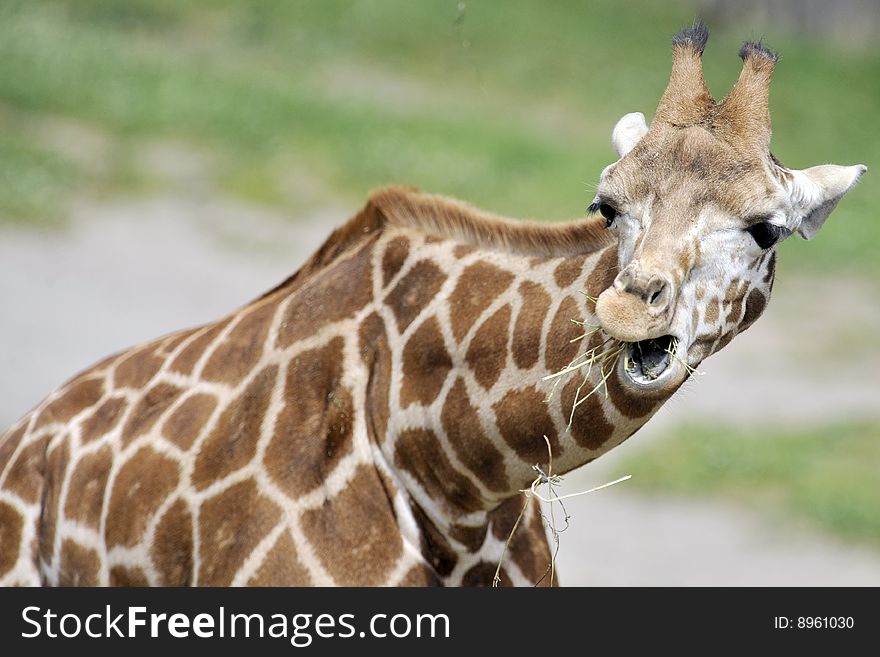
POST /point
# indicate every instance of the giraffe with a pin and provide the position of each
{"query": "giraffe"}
(372, 419)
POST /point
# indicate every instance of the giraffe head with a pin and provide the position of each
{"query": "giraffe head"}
(699, 205)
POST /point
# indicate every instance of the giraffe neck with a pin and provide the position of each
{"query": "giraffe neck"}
(472, 335)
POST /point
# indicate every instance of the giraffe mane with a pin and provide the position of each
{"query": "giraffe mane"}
(444, 217)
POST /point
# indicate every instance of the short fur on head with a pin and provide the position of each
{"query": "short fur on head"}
(699, 204)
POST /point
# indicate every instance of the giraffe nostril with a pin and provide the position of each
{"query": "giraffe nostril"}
(656, 295)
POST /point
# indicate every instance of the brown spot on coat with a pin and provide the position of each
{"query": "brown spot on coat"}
(568, 270)
(231, 524)
(102, 365)
(414, 292)
(523, 420)
(313, 432)
(80, 565)
(25, 476)
(560, 349)
(602, 276)
(478, 286)
(589, 427)
(152, 404)
(11, 524)
(771, 269)
(377, 357)
(755, 304)
(137, 367)
(85, 492)
(395, 255)
(425, 365)
(713, 309)
(487, 354)
(526, 344)
(103, 420)
(140, 488)
(420, 576)
(233, 441)
(465, 433)
(9, 443)
(186, 360)
(172, 342)
(472, 538)
(732, 292)
(311, 438)
(418, 451)
(338, 292)
(537, 262)
(735, 311)
(462, 250)
(435, 548)
(128, 576)
(56, 464)
(185, 424)
(483, 574)
(355, 533)
(172, 550)
(743, 288)
(237, 355)
(504, 516)
(79, 395)
(281, 567)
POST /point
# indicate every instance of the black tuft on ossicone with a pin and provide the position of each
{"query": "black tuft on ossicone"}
(694, 36)
(757, 49)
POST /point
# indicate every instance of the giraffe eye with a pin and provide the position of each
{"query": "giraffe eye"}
(606, 211)
(766, 234)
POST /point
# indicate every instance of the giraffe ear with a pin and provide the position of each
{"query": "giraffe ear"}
(816, 191)
(628, 131)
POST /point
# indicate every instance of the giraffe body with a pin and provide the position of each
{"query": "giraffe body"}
(373, 419)
(346, 428)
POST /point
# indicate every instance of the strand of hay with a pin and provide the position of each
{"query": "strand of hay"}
(673, 351)
(552, 481)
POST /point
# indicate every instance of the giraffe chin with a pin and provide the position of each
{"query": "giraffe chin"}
(653, 365)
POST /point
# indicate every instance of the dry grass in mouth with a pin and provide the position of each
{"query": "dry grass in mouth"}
(673, 351)
(604, 356)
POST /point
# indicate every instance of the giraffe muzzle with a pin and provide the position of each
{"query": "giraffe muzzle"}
(639, 315)
(631, 316)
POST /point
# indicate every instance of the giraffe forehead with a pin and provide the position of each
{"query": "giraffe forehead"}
(679, 171)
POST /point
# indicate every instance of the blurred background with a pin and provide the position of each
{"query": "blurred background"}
(164, 161)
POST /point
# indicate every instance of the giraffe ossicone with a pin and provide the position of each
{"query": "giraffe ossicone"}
(372, 419)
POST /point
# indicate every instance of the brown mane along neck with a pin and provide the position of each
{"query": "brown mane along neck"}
(445, 217)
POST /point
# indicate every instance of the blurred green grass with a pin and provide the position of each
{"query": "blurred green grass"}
(508, 105)
(826, 476)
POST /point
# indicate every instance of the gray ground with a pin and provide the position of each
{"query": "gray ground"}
(130, 270)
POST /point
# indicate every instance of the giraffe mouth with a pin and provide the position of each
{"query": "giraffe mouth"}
(647, 361)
